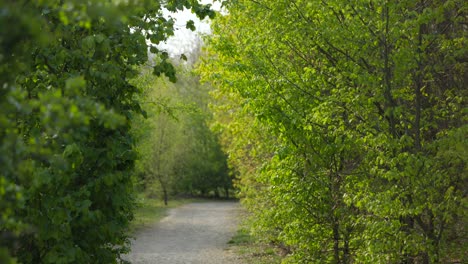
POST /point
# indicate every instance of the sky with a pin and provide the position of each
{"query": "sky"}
(185, 40)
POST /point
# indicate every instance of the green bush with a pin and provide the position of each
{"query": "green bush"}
(67, 154)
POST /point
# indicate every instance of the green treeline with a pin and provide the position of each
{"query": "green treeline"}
(71, 103)
(347, 123)
(179, 154)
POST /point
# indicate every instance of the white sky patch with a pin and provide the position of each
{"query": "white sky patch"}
(184, 40)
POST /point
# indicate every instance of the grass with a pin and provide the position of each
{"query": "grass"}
(152, 210)
(252, 251)
(242, 237)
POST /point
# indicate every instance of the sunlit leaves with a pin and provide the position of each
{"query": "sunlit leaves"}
(353, 98)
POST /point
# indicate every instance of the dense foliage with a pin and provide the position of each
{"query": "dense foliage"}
(67, 106)
(180, 155)
(347, 123)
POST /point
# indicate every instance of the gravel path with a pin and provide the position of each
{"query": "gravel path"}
(196, 233)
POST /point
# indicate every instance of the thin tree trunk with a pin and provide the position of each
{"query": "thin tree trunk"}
(389, 101)
(158, 166)
(336, 240)
(419, 82)
(165, 195)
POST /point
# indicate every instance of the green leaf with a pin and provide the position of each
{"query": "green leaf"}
(190, 25)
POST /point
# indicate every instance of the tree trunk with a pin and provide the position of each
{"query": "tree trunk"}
(165, 195)
(346, 253)
(336, 240)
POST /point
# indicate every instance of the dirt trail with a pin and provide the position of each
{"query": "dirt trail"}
(195, 233)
